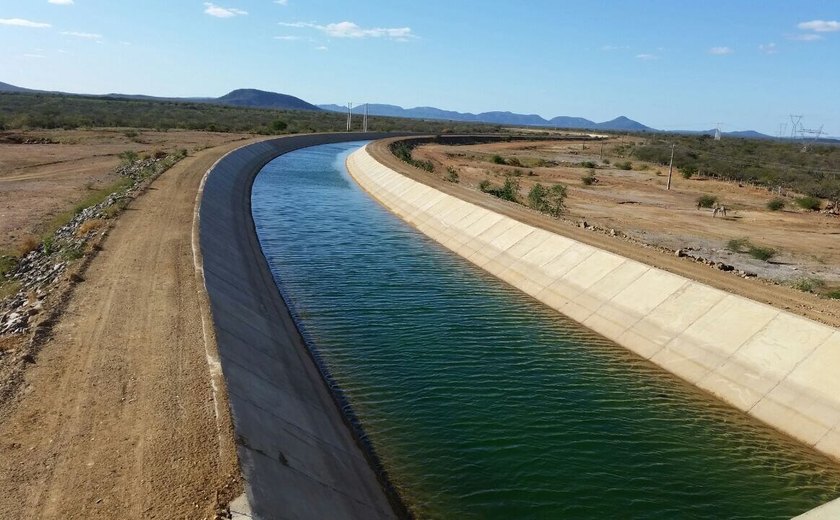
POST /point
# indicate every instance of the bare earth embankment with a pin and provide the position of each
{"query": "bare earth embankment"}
(117, 417)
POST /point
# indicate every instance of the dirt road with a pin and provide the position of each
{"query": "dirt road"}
(117, 418)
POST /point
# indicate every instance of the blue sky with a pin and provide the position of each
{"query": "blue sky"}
(669, 64)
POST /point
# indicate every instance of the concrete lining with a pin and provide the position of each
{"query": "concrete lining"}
(300, 456)
(776, 366)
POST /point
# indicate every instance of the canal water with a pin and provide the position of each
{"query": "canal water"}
(483, 403)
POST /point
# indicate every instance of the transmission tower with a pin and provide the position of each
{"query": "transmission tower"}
(349, 115)
(815, 133)
(717, 132)
(795, 125)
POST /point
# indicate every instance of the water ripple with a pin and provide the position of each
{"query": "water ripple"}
(483, 403)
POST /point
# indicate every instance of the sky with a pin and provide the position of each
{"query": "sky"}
(671, 65)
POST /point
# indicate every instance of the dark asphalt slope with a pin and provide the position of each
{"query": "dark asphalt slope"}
(300, 456)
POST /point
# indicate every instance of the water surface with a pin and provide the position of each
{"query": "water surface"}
(482, 402)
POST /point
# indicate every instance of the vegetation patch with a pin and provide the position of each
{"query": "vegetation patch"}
(776, 204)
(403, 149)
(808, 203)
(508, 191)
(548, 200)
(743, 245)
(706, 201)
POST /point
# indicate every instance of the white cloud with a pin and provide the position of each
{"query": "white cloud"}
(82, 35)
(20, 22)
(610, 48)
(37, 56)
(820, 26)
(807, 37)
(222, 12)
(768, 48)
(60, 2)
(287, 38)
(281, 2)
(352, 30)
(720, 51)
(321, 48)
(647, 57)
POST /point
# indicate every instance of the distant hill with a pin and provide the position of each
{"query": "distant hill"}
(500, 118)
(5, 87)
(248, 97)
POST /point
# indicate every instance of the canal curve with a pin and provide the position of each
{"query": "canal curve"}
(482, 403)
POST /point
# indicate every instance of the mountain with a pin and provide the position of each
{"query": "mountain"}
(5, 87)
(249, 97)
(499, 118)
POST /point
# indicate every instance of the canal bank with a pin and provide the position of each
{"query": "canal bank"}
(299, 454)
(771, 364)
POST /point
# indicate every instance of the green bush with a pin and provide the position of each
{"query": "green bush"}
(588, 164)
(498, 159)
(688, 171)
(548, 200)
(514, 161)
(451, 175)
(589, 179)
(761, 253)
(776, 204)
(808, 284)
(706, 201)
(738, 245)
(626, 165)
(809, 203)
(834, 295)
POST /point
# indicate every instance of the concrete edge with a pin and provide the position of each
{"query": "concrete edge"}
(302, 452)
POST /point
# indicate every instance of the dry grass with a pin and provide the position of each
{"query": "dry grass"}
(27, 244)
(89, 225)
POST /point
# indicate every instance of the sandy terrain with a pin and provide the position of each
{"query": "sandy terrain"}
(635, 203)
(45, 173)
(117, 417)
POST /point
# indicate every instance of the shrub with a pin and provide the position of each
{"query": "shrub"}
(737, 245)
(90, 225)
(278, 125)
(589, 179)
(706, 201)
(688, 171)
(808, 203)
(776, 204)
(548, 200)
(514, 161)
(588, 164)
(451, 175)
(7, 263)
(129, 157)
(761, 253)
(808, 284)
(498, 159)
(626, 165)
(834, 295)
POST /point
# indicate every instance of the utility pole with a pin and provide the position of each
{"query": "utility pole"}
(349, 115)
(601, 152)
(364, 121)
(671, 166)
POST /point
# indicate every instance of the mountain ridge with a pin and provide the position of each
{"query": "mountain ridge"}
(498, 117)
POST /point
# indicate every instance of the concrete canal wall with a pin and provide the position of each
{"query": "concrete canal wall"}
(776, 366)
(300, 456)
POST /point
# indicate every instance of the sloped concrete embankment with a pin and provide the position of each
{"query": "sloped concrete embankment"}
(776, 366)
(299, 455)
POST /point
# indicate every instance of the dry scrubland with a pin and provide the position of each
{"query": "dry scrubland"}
(46, 174)
(607, 193)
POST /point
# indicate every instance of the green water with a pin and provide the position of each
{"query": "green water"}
(481, 402)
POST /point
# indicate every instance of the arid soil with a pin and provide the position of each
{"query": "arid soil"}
(45, 173)
(635, 203)
(118, 416)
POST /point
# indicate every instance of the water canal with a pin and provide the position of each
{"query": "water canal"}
(483, 403)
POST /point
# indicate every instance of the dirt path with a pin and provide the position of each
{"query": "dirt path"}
(117, 417)
(805, 304)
